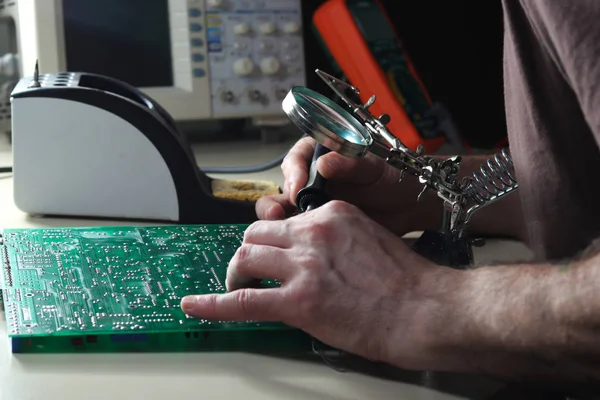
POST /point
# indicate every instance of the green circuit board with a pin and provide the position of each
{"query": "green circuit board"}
(120, 288)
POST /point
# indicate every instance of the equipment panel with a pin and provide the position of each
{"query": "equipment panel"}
(256, 54)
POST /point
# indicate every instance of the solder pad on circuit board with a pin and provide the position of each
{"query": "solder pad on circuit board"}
(122, 283)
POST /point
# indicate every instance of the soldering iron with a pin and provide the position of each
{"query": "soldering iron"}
(313, 195)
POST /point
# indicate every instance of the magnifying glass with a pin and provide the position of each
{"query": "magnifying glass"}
(327, 122)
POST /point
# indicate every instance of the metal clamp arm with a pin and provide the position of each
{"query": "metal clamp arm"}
(354, 132)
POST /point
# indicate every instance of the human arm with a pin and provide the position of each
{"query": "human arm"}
(528, 323)
(356, 286)
(374, 187)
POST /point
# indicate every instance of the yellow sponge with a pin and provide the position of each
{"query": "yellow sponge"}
(243, 190)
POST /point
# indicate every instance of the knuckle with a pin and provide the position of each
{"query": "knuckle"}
(243, 300)
(309, 261)
(341, 207)
(242, 255)
(251, 231)
(322, 231)
(211, 304)
(285, 162)
(304, 142)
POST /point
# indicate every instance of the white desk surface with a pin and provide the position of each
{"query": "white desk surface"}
(199, 376)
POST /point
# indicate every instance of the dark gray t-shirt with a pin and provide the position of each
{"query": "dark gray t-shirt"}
(552, 90)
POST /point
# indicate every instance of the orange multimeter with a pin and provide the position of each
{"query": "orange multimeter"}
(363, 46)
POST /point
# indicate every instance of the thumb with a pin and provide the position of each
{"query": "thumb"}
(360, 171)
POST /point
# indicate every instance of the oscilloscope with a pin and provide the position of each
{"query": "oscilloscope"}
(199, 59)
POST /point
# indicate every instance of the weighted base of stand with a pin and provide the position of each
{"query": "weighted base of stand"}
(445, 248)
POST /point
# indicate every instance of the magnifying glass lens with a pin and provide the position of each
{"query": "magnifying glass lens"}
(327, 122)
(331, 120)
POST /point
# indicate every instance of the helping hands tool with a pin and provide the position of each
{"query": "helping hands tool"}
(354, 132)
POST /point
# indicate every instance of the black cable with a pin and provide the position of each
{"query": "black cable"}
(247, 170)
(244, 170)
(5, 170)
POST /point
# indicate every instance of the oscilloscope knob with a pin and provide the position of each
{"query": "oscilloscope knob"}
(215, 3)
(267, 28)
(242, 28)
(227, 97)
(243, 66)
(270, 65)
(291, 27)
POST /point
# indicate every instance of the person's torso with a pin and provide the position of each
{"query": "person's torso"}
(552, 80)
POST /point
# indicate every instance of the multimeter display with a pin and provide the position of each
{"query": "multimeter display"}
(384, 45)
(372, 22)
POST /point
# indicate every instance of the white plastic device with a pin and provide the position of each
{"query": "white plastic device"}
(199, 59)
(91, 146)
(87, 158)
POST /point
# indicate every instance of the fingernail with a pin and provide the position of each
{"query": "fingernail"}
(293, 189)
(274, 212)
(188, 303)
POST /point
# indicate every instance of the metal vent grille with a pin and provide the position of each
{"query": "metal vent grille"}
(5, 4)
(6, 7)
(5, 109)
(5, 117)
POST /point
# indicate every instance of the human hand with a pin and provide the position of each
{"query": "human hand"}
(368, 183)
(345, 280)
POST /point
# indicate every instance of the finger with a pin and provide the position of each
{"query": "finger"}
(269, 233)
(360, 171)
(241, 305)
(274, 207)
(295, 166)
(255, 262)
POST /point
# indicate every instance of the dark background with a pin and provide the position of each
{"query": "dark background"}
(456, 47)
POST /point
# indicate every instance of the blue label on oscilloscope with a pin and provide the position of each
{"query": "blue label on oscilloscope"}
(214, 39)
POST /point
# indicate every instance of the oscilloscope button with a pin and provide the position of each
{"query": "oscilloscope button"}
(195, 12)
(195, 27)
(197, 42)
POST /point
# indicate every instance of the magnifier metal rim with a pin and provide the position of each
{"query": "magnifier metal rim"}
(303, 119)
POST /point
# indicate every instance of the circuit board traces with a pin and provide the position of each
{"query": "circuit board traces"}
(107, 280)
